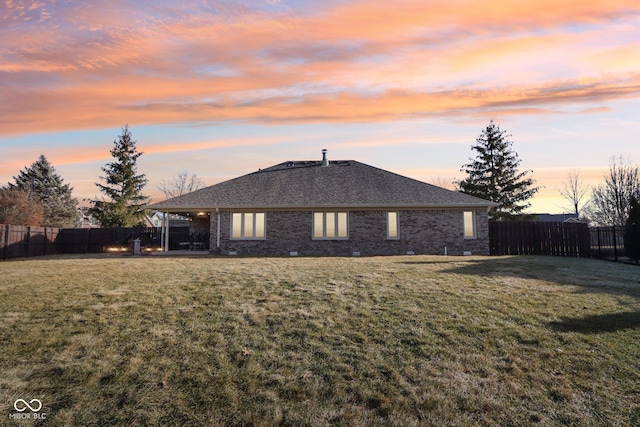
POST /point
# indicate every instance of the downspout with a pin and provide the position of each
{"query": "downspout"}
(218, 230)
(166, 231)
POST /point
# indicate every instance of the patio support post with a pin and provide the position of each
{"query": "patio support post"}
(166, 239)
(162, 232)
(166, 232)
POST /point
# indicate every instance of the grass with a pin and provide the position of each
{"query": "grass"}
(397, 341)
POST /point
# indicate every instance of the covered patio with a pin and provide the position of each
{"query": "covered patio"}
(196, 240)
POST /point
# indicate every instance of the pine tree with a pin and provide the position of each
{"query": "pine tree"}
(126, 207)
(494, 175)
(44, 185)
(632, 231)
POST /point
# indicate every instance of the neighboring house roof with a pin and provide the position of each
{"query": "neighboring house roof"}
(545, 217)
(85, 219)
(309, 184)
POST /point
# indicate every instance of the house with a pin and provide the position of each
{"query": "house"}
(156, 218)
(85, 219)
(339, 207)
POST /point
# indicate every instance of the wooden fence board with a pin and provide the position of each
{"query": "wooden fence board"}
(24, 241)
(539, 238)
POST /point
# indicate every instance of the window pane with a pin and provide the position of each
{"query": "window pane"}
(392, 225)
(330, 221)
(318, 223)
(248, 225)
(342, 224)
(236, 223)
(469, 229)
(260, 225)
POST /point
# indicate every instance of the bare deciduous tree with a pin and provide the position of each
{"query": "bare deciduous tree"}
(19, 207)
(441, 181)
(611, 201)
(573, 190)
(181, 184)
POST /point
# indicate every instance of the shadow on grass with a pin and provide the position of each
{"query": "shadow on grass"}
(598, 323)
(590, 275)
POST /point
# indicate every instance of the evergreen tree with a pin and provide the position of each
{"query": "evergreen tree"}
(126, 207)
(632, 231)
(494, 175)
(40, 180)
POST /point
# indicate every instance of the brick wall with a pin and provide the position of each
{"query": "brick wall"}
(421, 232)
(199, 225)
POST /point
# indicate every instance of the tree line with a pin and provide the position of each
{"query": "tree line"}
(612, 200)
(494, 175)
(39, 197)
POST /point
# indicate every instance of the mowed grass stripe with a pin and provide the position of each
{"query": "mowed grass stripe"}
(321, 341)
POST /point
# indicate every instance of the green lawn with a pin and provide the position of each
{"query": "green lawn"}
(384, 341)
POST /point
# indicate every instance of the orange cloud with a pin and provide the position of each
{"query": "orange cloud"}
(68, 155)
(619, 58)
(50, 113)
(356, 19)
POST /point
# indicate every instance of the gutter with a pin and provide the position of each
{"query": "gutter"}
(325, 207)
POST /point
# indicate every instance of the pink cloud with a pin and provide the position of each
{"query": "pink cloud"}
(357, 61)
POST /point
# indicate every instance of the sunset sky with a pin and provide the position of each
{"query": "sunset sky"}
(222, 88)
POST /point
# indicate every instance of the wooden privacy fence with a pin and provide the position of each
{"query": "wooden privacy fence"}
(505, 238)
(99, 240)
(25, 241)
(539, 238)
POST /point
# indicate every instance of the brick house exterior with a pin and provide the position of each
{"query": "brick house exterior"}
(338, 208)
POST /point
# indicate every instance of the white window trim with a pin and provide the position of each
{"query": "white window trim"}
(324, 224)
(243, 234)
(473, 225)
(397, 236)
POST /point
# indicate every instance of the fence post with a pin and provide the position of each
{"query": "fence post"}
(615, 243)
(28, 240)
(6, 242)
(586, 245)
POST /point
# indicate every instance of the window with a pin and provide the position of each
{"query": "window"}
(247, 225)
(469, 224)
(392, 226)
(330, 225)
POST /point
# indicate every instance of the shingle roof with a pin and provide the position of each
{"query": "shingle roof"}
(308, 184)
